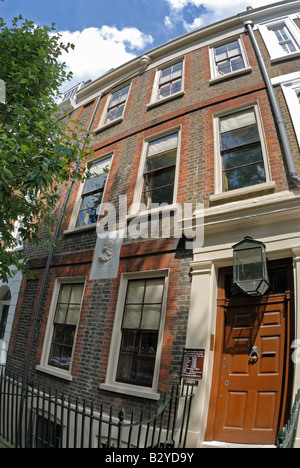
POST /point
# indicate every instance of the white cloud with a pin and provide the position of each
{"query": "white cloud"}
(215, 10)
(97, 50)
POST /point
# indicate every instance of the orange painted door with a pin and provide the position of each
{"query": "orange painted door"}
(251, 375)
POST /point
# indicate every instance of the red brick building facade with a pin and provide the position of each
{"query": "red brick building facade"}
(181, 101)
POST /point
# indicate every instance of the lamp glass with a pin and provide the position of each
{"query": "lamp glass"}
(249, 267)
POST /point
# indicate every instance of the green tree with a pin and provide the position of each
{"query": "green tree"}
(37, 155)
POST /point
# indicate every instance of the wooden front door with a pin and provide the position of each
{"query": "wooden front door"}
(250, 368)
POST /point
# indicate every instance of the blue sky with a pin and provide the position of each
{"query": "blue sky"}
(107, 33)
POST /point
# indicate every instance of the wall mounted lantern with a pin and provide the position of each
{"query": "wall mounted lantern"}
(250, 271)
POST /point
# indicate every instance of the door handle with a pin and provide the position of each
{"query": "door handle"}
(254, 355)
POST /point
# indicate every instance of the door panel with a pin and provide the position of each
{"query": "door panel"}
(248, 400)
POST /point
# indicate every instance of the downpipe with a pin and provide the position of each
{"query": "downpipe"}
(278, 116)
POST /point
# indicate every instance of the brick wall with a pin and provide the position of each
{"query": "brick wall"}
(74, 253)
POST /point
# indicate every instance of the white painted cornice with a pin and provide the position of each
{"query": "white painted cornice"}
(179, 45)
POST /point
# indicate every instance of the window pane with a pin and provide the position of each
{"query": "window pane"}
(118, 96)
(238, 137)
(159, 196)
(137, 358)
(176, 74)
(161, 160)
(76, 294)
(233, 48)
(99, 166)
(289, 47)
(73, 314)
(3, 321)
(237, 64)
(135, 292)
(115, 113)
(177, 67)
(221, 53)
(65, 358)
(154, 291)
(95, 183)
(59, 334)
(281, 34)
(54, 358)
(89, 209)
(132, 316)
(242, 156)
(165, 90)
(161, 145)
(64, 295)
(176, 87)
(238, 120)
(160, 179)
(151, 317)
(61, 313)
(244, 177)
(69, 336)
(65, 322)
(224, 67)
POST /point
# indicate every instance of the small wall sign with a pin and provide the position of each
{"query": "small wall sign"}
(192, 366)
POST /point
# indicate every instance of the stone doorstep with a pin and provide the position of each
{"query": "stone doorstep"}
(216, 444)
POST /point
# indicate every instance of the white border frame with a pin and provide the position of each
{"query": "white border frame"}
(275, 50)
(76, 208)
(44, 366)
(215, 76)
(218, 158)
(102, 124)
(140, 175)
(120, 387)
(154, 95)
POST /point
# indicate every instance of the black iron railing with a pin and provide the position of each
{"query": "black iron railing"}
(34, 417)
(287, 435)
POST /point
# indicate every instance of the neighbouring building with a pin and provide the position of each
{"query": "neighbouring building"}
(201, 133)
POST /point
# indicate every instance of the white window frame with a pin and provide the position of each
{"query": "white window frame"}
(154, 96)
(290, 93)
(44, 366)
(215, 75)
(124, 388)
(103, 124)
(137, 198)
(76, 209)
(275, 50)
(4, 303)
(219, 193)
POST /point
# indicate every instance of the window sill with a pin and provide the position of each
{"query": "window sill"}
(242, 192)
(230, 75)
(77, 229)
(285, 57)
(166, 99)
(130, 390)
(109, 124)
(160, 209)
(55, 372)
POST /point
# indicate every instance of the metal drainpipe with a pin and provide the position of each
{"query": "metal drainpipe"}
(276, 109)
(50, 255)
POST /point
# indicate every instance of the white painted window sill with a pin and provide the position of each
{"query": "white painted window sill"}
(166, 99)
(230, 75)
(109, 124)
(130, 390)
(151, 212)
(243, 191)
(74, 230)
(55, 372)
